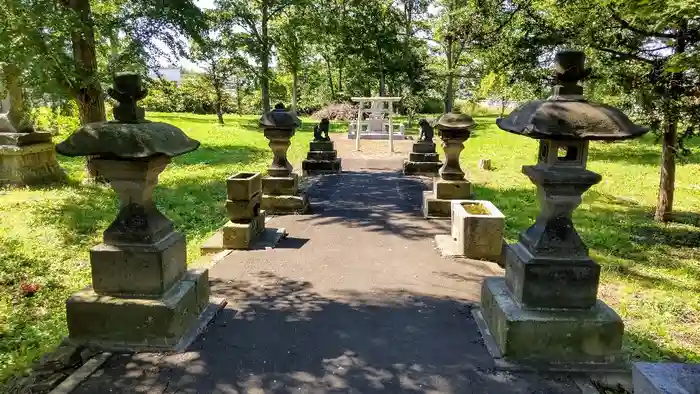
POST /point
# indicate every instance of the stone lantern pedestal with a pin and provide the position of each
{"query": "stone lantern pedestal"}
(246, 223)
(28, 159)
(452, 184)
(545, 312)
(423, 160)
(281, 193)
(142, 297)
(321, 159)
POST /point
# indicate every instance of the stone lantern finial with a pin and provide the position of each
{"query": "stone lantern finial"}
(127, 91)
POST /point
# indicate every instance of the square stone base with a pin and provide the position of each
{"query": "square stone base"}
(311, 167)
(147, 270)
(452, 190)
(141, 324)
(322, 155)
(236, 235)
(449, 247)
(550, 336)
(30, 165)
(436, 208)
(277, 186)
(287, 204)
(421, 168)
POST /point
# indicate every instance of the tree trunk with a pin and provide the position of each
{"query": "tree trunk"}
(219, 106)
(340, 75)
(239, 99)
(330, 77)
(265, 61)
(382, 84)
(449, 89)
(295, 88)
(669, 147)
(91, 105)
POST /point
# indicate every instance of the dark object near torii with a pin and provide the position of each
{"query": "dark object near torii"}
(321, 130)
(426, 131)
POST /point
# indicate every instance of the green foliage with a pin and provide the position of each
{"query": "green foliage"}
(195, 94)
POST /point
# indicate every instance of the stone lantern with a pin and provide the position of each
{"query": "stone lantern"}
(280, 187)
(453, 130)
(546, 309)
(142, 295)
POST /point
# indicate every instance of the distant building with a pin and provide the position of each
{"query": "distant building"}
(172, 74)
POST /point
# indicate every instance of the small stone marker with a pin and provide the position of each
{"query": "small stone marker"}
(451, 185)
(142, 295)
(423, 160)
(322, 157)
(545, 311)
(246, 219)
(485, 164)
(281, 194)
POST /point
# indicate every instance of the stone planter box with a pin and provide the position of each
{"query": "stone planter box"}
(243, 186)
(477, 229)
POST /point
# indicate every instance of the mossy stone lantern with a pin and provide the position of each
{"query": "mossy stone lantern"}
(281, 194)
(142, 296)
(546, 308)
(454, 130)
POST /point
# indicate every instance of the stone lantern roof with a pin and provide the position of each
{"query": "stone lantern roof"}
(450, 121)
(279, 118)
(566, 114)
(130, 135)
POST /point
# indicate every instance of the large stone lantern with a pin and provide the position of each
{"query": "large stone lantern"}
(546, 309)
(281, 194)
(453, 130)
(142, 296)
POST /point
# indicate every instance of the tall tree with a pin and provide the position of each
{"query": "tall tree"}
(290, 35)
(254, 18)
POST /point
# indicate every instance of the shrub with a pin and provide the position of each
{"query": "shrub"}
(337, 111)
(432, 105)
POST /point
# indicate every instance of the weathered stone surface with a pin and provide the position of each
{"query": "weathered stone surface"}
(433, 207)
(241, 235)
(127, 140)
(200, 278)
(424, 157)
(478, 236)
(321, 146)
(451, 190)
(277, 186)
(666, 378)
(322, 155)
(423, 147)
(139, 220)
(241, 210)
(30, 165)
(421, 168)
(311, 167)
(147, 270)
(285, 204)
(541, 282)
(105, 321)
(243, 185)
(550, 336)
(24, 139)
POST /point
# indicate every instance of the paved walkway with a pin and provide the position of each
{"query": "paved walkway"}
(356, 300)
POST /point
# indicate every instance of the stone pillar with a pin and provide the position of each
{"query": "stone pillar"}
(545, 311)
(359, 124)
(391, 127)
(423, 159)
(451, 184)
(142, 295)
(281, 194)
(246, 225)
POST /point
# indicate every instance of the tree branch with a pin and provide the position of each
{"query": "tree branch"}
(624, 55)
(626, 25)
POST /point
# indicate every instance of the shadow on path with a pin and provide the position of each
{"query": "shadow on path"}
(286, 338)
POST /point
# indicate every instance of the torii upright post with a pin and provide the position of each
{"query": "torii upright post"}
(391, 127)
(359, 125)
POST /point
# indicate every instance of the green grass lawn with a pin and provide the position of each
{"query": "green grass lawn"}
(651, 271)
